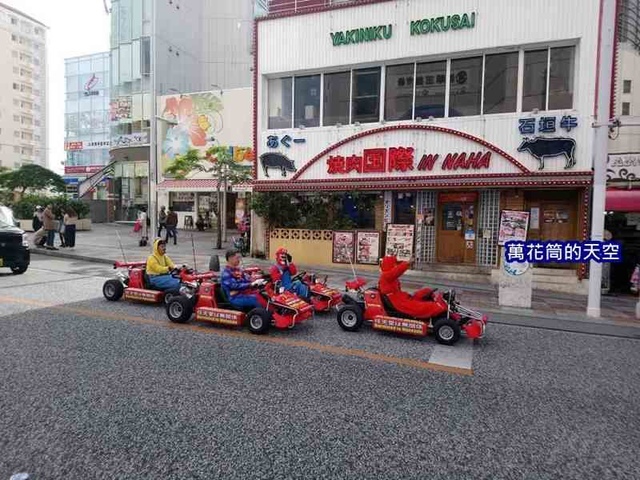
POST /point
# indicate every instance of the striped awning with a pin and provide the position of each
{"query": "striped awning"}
(198, 185)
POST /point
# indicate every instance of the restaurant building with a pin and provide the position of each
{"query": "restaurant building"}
(448, 112)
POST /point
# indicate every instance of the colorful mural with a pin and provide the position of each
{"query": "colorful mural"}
(196, 120)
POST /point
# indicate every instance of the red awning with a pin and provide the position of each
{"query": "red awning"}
(622, 200)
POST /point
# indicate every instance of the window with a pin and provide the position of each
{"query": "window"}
(279, 103)
(14, 21)
(561, 78)
(626, 108)
(626, 86)
(16, 86)
(500, 83)
(365, 104)
(535, 80)
(336, 98)
(465, 87)
(145, 56)
(307, 101)
(14, 38)
(125, 63)
(398, 98)
(430, 89)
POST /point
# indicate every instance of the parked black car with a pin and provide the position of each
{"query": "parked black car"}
(14, 246)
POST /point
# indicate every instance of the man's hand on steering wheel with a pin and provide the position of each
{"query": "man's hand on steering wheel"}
(298, 276)
(259, 282)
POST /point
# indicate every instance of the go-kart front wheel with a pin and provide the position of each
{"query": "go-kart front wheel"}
(350, 317)
(179, 309)
(259, 321)
(113, 290)
(447, 331)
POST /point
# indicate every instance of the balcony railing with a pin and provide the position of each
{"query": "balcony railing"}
(275, 7)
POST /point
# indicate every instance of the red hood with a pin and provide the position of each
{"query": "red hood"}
(388, 263)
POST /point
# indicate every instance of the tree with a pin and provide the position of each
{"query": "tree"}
(219, 162)
(31, 177)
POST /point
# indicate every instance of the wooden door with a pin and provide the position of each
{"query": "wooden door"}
(456, 219)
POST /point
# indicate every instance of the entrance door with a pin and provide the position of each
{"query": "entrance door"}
(456, 228)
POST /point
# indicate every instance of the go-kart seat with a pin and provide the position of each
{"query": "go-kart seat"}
(146, 281)
(221, 296)
(391, 310)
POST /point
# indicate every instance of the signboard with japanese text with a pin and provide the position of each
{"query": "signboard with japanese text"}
(120, 109)
(513, 226)
(400, 241)
(343, 247)
(88, 169)
(368, 248)
(623, 167)
(424, 150)
(130, 140)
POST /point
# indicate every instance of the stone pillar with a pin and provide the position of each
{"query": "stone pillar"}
(515, 285)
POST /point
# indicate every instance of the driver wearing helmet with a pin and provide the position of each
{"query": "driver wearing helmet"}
(284, 270)
(415, 305)
(159, 267)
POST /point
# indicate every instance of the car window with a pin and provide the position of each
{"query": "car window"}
(6, 217)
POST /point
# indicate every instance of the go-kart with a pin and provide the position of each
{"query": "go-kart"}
(447, 319)
(323, 297)
(280, 308)
(132, 283)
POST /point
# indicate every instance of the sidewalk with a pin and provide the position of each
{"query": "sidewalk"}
(549, 309)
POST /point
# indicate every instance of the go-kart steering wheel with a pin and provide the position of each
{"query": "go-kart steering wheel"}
(298, 276)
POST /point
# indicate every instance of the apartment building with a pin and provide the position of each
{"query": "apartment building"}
(23, 89)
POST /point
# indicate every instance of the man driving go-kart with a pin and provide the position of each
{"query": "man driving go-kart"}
(416, 305)
(159, 268)
(284, 270)
(237, 284)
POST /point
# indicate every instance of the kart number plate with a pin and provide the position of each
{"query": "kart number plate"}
(400, 325)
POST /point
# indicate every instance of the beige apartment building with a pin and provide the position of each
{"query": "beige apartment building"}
(23, 89)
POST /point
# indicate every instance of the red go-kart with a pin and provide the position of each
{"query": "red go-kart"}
(444, 315)
(323, 297)
(280, 308)
(132, 283)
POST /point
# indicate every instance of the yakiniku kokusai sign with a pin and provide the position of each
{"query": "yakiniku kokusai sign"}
(404, 159)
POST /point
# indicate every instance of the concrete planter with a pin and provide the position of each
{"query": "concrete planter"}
(82, 224)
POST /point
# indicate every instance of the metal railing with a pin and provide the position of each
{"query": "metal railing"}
(275, 7)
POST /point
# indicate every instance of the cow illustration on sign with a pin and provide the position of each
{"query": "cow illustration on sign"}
(276, 160)
(541, 147)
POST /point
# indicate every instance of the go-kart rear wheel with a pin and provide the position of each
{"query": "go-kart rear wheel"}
(259, 321)
(350, 317)
(112, 290)
(447, 331)
(179, 309)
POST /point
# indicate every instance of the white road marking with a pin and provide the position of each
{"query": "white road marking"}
(459, 355)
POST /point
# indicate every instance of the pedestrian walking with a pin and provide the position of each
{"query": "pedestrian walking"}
(39, 237)
(172, 225)
(70, 222)
(49, 221)
(142, 223)
(61, 228)
(162, 220)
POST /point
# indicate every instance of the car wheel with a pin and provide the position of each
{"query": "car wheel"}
(350, 317)
(19, 270)
(259, 321)
(447, 331)
(112, 290)
(179, 309)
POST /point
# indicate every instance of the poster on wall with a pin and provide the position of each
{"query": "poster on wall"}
(343, 247)
(400, 241)
(368, 248)
(513, 226)
(388, 208)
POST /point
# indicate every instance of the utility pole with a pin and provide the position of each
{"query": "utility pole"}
(153, 147)
(600, 145)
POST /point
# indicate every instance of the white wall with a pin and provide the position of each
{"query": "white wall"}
(627, 139)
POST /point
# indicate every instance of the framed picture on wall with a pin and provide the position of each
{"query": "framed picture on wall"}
(343, 247)
(368, 247)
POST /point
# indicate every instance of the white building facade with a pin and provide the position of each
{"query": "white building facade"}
(23, 89)
(448, 111)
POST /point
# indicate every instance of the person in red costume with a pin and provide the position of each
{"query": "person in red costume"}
(284, 270)
(416, 305)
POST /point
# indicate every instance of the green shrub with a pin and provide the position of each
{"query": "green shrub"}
(25, 207)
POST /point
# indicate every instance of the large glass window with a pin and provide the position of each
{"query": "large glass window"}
(115, 63)
(135, 53)
(336, 98)
(72, 84)
(535, 80)
(85, 66)
(307, 101)
(145, 56)
(136, 19)
(365, 104)
(125, 21)
(125, 63)
(279, 101)
(465, 87)
(430, 89)
(500, 83)
(398, 99)
(561, 78)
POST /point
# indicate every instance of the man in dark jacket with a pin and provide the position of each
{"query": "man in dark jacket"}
(172, 224)
(49, 221)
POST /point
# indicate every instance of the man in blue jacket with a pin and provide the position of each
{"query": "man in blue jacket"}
(237, 284)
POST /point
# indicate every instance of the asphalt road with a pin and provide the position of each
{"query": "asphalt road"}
(92, 389)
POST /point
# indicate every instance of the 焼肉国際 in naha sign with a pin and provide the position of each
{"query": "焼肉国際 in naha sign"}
(443, 24)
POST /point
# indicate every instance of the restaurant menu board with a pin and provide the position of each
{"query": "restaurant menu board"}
(400, 241)
(513, 226)
(368, 248)
(343, 247)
